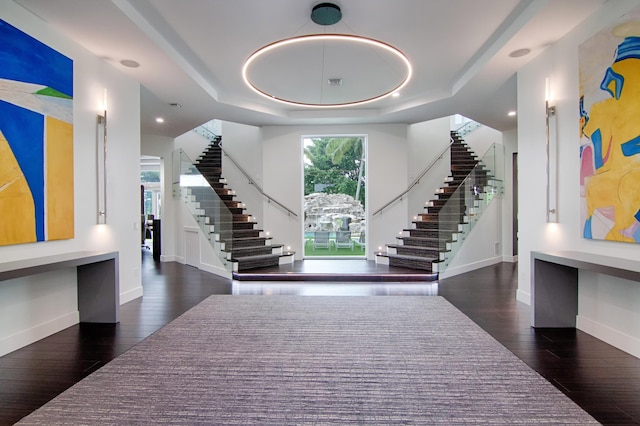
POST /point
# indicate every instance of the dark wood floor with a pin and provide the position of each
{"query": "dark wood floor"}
(600, 378)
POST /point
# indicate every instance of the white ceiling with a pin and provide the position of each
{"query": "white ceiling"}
(191, 52)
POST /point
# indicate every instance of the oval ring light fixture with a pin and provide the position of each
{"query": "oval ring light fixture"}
(328, 37)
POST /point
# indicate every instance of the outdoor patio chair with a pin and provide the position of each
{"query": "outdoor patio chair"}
(321, 240)
(343, 240)
(360, 242)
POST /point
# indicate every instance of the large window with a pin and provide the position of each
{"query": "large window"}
(334, 196)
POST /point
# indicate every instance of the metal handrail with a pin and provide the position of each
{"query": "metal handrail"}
(251, 181)
(417, 180)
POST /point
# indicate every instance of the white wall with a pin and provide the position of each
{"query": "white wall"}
(427, 140)
(192, 143)
(34, 307)
(479, 248)
(243, 143)
(609, 309)
(481, 139)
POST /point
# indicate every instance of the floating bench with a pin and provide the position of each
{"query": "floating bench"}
(98, 285)
(554, 283)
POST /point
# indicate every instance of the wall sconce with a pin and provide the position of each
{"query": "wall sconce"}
(551, 154)
(101, 162)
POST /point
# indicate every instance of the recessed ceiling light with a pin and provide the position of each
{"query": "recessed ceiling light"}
(511, 113)
(159, 120)
(130, 63)
(519, 53)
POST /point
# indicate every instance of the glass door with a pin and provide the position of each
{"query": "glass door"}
(334, 196)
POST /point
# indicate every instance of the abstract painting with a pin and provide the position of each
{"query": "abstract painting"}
(36, 140)
(610, 132)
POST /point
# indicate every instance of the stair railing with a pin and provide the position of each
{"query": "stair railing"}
(462, 210)
(416, 180)
(207, 208)
(207, 133)
(468, 127)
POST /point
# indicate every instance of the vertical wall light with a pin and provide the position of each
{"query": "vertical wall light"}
(101, 161)
(552, 154)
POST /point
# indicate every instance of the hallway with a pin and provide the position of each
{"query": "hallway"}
(602, 380)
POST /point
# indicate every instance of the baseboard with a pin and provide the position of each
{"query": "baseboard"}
(130, 295)
(615, 338)
(40, 331)
(450, 272)
(510, 259)
(172, 258)
(523, 297)
(216, 270)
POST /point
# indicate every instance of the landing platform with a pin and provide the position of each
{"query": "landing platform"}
(349, 270)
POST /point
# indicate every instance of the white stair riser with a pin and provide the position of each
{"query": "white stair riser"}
(286, 260)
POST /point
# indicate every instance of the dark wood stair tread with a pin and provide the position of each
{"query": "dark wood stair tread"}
(407, 257)
(259, 256)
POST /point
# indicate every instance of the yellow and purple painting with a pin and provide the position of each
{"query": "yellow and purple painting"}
(610, 132)
(36, 140)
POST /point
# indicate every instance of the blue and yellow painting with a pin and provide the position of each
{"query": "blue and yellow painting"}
(610, 132)
(36, 140)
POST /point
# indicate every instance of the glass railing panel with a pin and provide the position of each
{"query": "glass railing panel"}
(214, 126)
(206, 133)
(210, 130)
(211, 213)
(468, 127)
(464, 207)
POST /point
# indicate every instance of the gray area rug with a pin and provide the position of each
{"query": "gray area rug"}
(315, 360)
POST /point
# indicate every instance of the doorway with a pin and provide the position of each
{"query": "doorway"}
(151, 203)
(334, 196)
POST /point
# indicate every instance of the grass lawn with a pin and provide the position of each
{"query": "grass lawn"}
(309, 251)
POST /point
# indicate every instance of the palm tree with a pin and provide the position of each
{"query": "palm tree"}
(338, 147)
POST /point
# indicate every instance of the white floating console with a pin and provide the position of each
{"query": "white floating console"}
(98, 283)
(554, 283)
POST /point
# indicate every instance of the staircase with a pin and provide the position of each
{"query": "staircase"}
(430, 243)
(231, 229)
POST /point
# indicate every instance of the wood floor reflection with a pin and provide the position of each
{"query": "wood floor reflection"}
(334, 288)
(601, 379)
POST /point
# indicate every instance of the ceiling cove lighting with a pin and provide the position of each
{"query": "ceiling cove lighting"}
(343, 38)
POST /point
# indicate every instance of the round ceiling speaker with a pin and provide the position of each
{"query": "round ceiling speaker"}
(326, 14)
